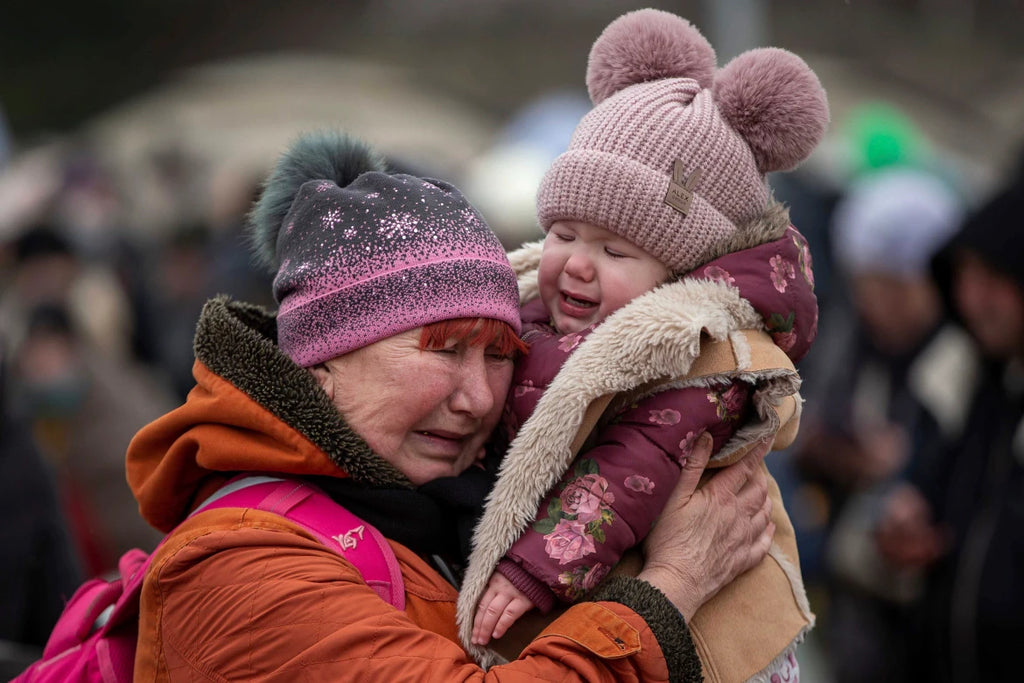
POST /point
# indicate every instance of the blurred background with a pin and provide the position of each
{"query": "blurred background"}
(134, 135)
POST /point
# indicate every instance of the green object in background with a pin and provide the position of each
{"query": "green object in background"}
(880, 136)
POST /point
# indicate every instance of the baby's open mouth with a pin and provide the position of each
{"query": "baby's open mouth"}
(583, 303)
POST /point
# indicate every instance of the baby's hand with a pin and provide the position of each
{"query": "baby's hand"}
(499, 608)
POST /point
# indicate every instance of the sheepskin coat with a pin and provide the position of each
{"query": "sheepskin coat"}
(538, 526)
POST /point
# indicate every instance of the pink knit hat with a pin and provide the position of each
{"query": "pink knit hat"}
(673, 155)
(361, 254)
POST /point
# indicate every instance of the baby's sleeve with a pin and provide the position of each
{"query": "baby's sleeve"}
(612, 493)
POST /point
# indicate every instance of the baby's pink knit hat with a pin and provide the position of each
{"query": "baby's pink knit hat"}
(673, 155)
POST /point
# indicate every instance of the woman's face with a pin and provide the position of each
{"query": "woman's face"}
(427, 412)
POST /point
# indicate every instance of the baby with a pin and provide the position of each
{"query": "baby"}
(661, 238)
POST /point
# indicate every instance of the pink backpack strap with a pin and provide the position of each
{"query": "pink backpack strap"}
(329, 522)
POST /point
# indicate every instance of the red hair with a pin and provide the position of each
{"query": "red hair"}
(475, 332)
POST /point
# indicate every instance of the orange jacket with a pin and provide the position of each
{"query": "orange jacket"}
(245, 595)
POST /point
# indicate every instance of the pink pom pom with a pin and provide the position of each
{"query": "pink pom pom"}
(773, 99)
(647, 45)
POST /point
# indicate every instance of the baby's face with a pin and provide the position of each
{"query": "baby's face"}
(588, 272)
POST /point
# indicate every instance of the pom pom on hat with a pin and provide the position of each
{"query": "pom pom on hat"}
(776, 103)
(324, 155)
(674, 154)
(647, 45)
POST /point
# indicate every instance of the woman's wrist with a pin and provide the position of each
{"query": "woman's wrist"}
(687, 599)
(662, 617)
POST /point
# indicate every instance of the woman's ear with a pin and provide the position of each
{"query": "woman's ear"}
(324, 378)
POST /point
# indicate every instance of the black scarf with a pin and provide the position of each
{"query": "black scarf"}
(435, 519)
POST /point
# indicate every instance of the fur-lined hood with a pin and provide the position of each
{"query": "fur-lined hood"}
(252, 409)
(653, 340)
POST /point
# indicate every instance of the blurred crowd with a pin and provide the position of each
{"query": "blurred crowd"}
(905, 485)
(906, 480)
(97, 322)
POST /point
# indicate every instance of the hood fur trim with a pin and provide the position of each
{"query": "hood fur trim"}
(236, 341)
(768, 227)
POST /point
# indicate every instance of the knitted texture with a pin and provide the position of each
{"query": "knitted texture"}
(382, 255)
(673, 155)
(619, 165)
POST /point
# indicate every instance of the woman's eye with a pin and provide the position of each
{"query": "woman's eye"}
(451, 350)
(563, 237)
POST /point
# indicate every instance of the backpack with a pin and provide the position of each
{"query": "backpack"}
(95, 637)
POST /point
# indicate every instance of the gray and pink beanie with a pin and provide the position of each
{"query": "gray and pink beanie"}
(361, 254)
(674, 154)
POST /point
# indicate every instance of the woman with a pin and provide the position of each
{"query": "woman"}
(382, 377)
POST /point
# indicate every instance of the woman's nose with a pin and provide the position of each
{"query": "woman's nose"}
(473, 394)
(580, 266)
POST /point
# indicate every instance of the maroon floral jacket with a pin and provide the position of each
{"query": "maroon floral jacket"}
(613, 492)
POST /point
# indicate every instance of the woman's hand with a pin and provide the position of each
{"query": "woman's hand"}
(707, 537)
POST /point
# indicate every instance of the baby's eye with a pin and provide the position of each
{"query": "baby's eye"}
(564, 237)
(615, 253)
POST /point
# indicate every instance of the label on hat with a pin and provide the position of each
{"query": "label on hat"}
(681, 188)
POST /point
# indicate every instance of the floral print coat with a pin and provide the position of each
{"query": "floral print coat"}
(607, 500)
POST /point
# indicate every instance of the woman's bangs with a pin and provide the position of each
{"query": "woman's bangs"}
(475, 332)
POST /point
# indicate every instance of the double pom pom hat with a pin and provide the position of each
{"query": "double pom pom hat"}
(674, 154)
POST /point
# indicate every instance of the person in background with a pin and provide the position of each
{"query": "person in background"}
(83, 407)
(959, 518)
(380, 378)
(886, 401)
(39, 568)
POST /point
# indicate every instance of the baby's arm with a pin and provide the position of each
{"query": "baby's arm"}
(612, 494)
(501, 605)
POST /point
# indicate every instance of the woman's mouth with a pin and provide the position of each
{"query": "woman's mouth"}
(441, 434)
(444, 442)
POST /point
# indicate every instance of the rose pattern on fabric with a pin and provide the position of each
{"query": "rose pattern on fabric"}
(586, 496)
(782, 331)
(569, 342)
(667, 417)
(719, 274)
(806, 266)
(581, 579)
(729, 403)
(585, 502)
(686, 447)
(525, 388)
(639, 483)
(568, 541)
(782, 272)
